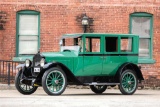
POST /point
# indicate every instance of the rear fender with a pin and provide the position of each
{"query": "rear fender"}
(131, 66)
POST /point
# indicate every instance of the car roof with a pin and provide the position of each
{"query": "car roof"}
(76, 35)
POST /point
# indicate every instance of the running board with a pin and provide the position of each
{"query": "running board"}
(95, 83)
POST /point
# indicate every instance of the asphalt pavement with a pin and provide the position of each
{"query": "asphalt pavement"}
(80, 98)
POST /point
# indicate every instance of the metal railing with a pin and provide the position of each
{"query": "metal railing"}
(8, 71)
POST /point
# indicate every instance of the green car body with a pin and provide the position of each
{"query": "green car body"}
(93, 59)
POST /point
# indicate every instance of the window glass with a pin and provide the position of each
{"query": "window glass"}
(68, 42)
(92, 45)
(28, 25)
(144, 47)
(141, 24)
(87, 48)
(111, 44)
(28, 44)
(28, 32)
(126, 44)
(71, 44)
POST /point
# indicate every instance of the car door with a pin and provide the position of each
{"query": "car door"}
(92, 57)
(111, 60)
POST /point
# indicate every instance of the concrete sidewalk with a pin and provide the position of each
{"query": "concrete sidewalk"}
(80, 98)
(7, 87)
(12, 87)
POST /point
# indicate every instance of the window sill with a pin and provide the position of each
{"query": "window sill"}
(146, 61)
(22, 58)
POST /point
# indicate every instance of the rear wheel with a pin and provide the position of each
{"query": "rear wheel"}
(23, 88)
(54, 81)
(98, 88)
(128, 82)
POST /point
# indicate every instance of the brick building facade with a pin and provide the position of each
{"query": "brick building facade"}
(57, 17)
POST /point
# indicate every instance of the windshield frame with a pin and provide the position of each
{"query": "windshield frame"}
(77, 43)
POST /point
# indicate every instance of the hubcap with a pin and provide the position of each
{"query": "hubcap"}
(129, 82)
(24, 87)
(98, 87)
(55, 81)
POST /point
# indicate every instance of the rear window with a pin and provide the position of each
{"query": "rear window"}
(126, 44)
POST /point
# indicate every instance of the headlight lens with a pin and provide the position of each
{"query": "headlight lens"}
(27, 62)
(42, 62)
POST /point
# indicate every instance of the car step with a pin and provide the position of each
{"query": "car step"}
(95, 83)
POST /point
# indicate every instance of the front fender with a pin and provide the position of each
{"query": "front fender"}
(20, 66)
(47, 65)
(69, 74)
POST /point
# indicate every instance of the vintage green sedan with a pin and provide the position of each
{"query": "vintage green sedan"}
(94, 59)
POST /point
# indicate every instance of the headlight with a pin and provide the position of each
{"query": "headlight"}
(27, 63)
(42, 62)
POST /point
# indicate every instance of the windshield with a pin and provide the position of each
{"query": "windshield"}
(71, 44)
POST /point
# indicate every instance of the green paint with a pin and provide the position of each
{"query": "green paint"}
(95, 63)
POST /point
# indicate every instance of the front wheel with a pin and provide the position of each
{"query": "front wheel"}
(23, 88)
(54, 81)
(128, 82)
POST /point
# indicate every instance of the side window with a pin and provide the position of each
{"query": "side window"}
(126, 44)
(92, 44)
(111, 44)
(68, 42)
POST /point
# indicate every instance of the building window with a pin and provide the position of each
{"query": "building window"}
(28, 32)
(142, 25)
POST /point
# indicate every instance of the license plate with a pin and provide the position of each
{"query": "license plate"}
(36, 69)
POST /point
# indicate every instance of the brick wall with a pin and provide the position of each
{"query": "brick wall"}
(61, 16)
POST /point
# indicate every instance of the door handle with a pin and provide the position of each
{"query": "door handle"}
(101, 57)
